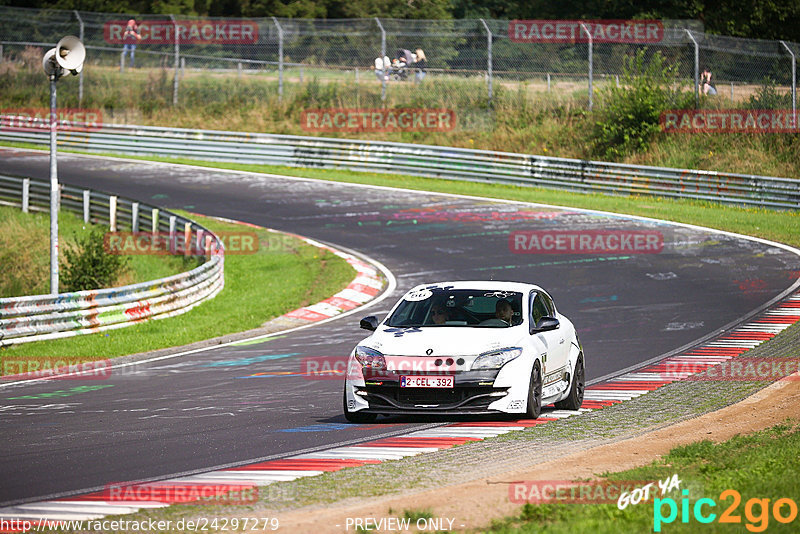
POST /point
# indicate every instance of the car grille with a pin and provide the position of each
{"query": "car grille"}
(470, 398)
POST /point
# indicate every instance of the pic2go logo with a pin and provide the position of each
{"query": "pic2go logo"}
(756, 511)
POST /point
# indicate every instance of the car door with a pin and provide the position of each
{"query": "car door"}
(555, 341)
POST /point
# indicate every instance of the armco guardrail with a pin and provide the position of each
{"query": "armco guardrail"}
(41, 317)
(423, 160)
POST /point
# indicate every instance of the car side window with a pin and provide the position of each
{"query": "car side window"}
(538, 309)
(548, 303)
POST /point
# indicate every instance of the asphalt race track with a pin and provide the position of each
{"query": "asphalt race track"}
(247, 402)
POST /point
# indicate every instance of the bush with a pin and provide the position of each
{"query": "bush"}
(630, 114)
(767, 97)
(88, 266)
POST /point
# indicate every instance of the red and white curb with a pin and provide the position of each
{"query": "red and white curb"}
(361, 290)
(698, 359)
(367, 284)
(636, 383)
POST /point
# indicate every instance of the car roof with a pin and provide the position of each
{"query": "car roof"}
(480, 284)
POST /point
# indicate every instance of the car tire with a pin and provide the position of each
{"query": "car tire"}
(574, 400)
(356, 417)
(534, 408)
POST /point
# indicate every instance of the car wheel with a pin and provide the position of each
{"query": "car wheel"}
(535, 392)
(356, 417)
(575, 398)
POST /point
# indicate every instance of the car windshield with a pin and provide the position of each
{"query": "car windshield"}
(458, 307)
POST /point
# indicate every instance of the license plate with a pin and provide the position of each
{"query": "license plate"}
(426, 381)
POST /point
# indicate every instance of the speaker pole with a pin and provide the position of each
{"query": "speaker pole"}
(69, 54)
(54, 200)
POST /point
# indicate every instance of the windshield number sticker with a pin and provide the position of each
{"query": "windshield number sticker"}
(416, 296)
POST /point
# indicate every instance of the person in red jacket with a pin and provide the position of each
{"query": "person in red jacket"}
(130, 39)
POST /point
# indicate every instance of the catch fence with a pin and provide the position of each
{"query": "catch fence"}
(486, 51)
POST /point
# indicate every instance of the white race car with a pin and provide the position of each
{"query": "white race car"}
(466, 348)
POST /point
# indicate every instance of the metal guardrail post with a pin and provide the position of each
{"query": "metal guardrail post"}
(696, 69)
(86, 204)
(134, 217)
(489, 57)
(1, 53)
(172, 227)
(383, 55)
(187, 238)
(177, 62)
(794, 84)
(112, 213)
(591, 62)
(154, 220)
(26, 194)
(80, 74)
(280, 59)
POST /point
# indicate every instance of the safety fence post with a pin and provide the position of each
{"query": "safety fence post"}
(280, 59)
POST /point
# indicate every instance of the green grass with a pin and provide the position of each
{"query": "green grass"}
(25, 253)
(258, 287)
(416, 515)
(762, 465)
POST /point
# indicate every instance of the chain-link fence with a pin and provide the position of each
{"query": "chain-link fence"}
(468, 62)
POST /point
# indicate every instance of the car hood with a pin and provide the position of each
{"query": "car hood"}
(443, 341)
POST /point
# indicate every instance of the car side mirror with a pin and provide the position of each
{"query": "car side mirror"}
(545, 324)
(369, 323)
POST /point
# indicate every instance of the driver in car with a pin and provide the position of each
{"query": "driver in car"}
(504, 311)
(439, 314)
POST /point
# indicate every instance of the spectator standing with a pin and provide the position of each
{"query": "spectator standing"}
(420, 65)
(130, 39)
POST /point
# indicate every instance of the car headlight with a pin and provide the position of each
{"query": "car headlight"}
(370, 358)
(496, 359)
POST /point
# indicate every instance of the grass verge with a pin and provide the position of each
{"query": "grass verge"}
(25, 253)
(754, 466)
(258, 287)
